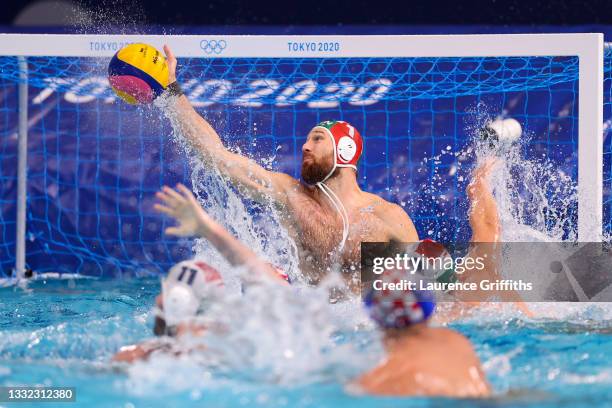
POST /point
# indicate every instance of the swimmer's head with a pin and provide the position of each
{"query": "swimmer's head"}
(184, 292)
(398, 309)
(330, 144)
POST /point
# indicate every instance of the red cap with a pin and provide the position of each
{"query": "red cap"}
(347, 141)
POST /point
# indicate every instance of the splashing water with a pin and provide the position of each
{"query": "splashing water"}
(271, 339)
(287, 335)
(269, 332)
(537, 202)
(537, 199)
(257, 225)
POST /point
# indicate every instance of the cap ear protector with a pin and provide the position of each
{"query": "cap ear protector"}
(347, 142)
(185, 288)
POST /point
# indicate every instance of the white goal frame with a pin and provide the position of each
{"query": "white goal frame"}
(589, 48)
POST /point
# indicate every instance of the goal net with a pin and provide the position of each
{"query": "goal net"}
(94, 162)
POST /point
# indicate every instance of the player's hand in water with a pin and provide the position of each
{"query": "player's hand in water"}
(182, 205)
(171, 60)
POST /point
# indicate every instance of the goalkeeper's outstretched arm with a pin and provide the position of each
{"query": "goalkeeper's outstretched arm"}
(251, 178)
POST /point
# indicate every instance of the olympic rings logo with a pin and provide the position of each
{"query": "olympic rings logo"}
(213, 46)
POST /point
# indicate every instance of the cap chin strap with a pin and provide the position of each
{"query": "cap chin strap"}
(329, 193)
(337, 203)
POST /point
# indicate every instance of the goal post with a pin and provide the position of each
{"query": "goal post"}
(376, 49)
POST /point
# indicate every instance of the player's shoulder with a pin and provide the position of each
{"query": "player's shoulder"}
(396, 218)
(450, 336)
(395, 209)
(386, 209)
(285, 181)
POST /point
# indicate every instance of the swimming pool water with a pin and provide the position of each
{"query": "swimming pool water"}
(64, 332)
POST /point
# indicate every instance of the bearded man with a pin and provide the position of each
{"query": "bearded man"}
(326, 213)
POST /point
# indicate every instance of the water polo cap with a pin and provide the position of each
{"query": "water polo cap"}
(347, 142)
(398, 309)
(188, 283)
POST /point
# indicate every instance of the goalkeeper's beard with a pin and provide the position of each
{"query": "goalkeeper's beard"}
(314, 171)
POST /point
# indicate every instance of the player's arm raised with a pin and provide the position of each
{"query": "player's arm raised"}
(192, 220)
(251, 178)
